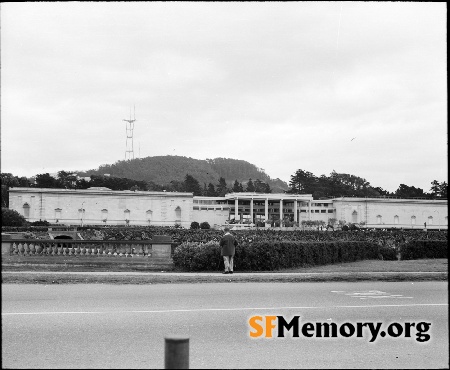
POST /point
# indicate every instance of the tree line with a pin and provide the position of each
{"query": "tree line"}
(346, 185)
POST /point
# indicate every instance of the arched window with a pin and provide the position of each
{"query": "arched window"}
(413, 220)
(430, 220)
(149, 215)
(126, 214)
(379, 219)
(26, 210)
(178, 214)
(104, 215)
(396, 220)
(354, 217)
(58, 214)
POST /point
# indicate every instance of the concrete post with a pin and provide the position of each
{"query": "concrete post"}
(176, 352)
(6, 244)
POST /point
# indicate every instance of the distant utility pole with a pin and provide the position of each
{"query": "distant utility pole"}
(129, 151)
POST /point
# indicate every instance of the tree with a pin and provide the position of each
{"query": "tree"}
(405, 191)
(44, 180)
(205, 226)
(68, 180)
(221, 188)
(10, 181)
(237, 187)
(175, 186)
(11, 217)
(302, 182)
(259, 186)
(191, 185)
(381, 191)
(250, 186)
(443, 189)
(211, 191)
(439, 189)
(195, 225)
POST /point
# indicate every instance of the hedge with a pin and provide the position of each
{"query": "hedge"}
(418, 249)
(264, 256)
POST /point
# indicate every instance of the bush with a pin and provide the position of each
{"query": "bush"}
(205, 225)
(270, 256)
(194, 256)
(195, 225)
(418, 249)
(40, 223)
(11, 217)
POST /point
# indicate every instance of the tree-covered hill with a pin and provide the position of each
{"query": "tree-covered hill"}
(162, 170)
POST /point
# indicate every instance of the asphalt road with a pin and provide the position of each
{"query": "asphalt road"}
(123, 326)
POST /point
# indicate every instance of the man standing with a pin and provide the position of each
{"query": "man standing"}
(228, 244)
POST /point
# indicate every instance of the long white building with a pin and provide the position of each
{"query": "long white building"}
(102, 206)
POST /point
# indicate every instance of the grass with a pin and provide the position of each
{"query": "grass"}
(423, 265)
(370, 270)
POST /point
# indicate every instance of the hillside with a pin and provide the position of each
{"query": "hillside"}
(162, 170)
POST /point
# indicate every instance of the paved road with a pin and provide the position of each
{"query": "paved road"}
(123, 326)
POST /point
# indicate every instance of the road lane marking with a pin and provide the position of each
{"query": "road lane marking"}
(370, 294)
(218, 309)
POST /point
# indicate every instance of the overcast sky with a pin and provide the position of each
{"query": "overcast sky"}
(355, 87)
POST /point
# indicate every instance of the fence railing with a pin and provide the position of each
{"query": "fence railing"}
(79, 248)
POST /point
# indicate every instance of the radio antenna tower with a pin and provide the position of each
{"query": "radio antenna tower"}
(129, 151)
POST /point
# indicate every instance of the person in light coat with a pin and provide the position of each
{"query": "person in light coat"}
(228, 243)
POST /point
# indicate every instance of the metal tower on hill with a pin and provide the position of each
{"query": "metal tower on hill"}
(129, 150)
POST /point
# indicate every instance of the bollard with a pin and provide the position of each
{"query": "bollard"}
(176, 355)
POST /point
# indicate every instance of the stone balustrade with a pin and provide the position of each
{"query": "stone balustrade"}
(84, 248)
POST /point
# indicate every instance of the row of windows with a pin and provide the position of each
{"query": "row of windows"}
(413, 219)
(104, 213)
(196, 208)
(259, 203)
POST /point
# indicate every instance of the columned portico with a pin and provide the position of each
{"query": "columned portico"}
(271, 204)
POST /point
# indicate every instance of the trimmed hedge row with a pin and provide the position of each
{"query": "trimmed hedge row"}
(418, 249)
(263, 256)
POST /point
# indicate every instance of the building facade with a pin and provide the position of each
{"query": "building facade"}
(97, 206)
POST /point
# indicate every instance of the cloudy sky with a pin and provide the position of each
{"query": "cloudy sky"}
(355, 87)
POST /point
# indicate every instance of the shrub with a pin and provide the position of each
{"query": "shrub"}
(205, 225)
(418, 249)
(40, 223)
(11, 217)
(269, 256)
(194, 256)
(195, 225)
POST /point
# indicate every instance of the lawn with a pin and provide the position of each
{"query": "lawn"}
(415, 270)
